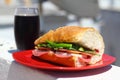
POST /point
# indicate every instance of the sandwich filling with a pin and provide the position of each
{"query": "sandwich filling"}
(65, 50)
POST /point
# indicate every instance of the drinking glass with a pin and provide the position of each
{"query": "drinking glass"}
(27, 27)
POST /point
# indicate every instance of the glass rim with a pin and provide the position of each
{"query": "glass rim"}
(36, 12)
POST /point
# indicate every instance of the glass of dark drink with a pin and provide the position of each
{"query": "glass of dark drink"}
(27, 27)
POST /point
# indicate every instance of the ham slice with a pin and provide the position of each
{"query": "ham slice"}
(62, 57)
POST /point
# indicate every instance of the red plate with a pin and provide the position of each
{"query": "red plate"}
(26, 58)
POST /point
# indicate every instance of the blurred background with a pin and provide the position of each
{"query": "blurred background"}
(104, 15)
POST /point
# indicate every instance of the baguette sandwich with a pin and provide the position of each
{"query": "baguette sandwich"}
(72, 46)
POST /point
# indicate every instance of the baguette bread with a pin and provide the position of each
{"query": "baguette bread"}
(87, 37)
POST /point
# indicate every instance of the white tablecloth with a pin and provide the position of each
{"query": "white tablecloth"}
(19, 72)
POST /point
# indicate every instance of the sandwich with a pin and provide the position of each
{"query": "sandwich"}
(71, 46)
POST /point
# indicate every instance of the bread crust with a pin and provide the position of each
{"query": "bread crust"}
(63, 34)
